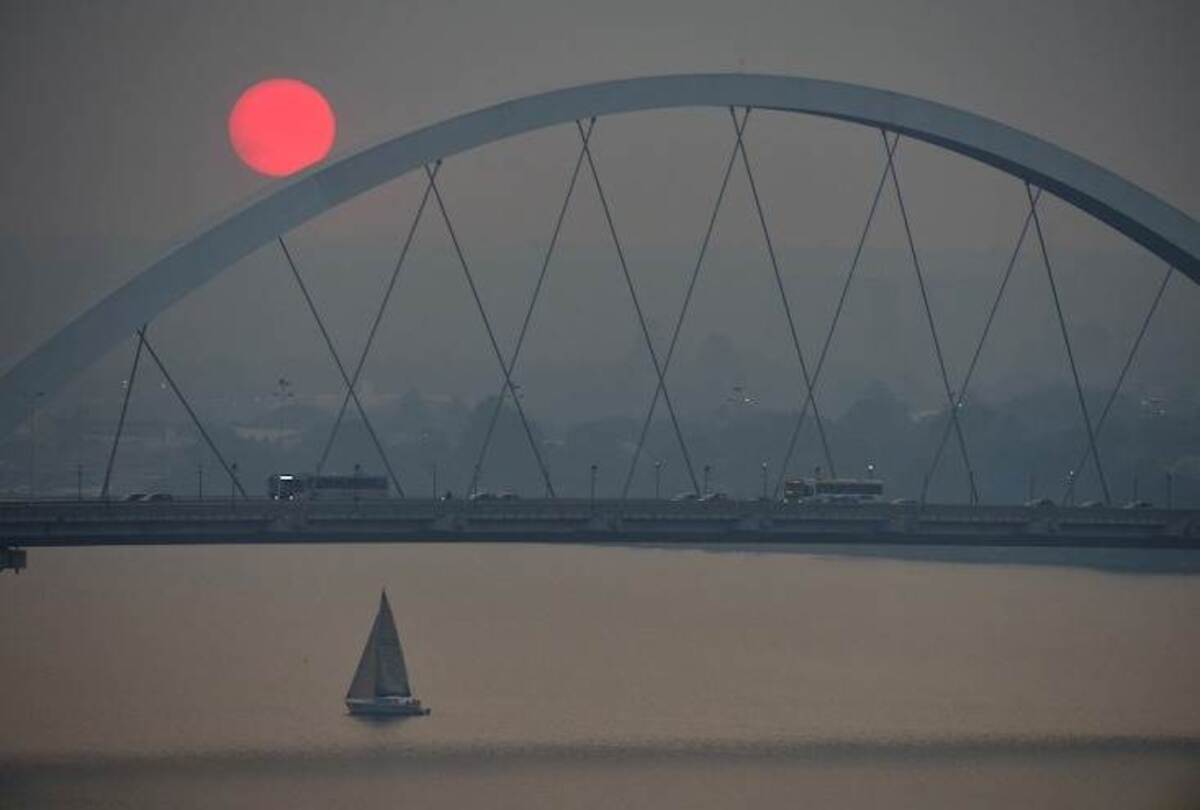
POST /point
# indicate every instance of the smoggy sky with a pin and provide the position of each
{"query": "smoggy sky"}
(116, 145)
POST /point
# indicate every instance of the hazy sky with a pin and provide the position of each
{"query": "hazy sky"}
(115, 134)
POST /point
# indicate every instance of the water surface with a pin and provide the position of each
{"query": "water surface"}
(593, 676)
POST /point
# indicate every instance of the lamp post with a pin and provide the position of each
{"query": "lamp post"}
(1170, 500)
(764, 479)
(707, 470)
(36, 400)
(79, 482)
(232, 483)
(434, 475)
(657, 480)
(1070, 499)
(870, 469)
(592, 496)
(199, 482)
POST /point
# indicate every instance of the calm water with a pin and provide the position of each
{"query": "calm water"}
(598, 677)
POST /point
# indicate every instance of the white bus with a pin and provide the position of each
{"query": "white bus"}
(301, 486)
(833, 490)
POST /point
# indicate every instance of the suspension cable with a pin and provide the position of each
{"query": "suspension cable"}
(487, 325)
(112, 454)
(787, 307)
(312, 307)
(187, 406)
(937, 345)
(1062, 324)
(1070, 491)
(637, 307)
(387, 294)
(837, 314)
(537, 289)
(687, 298)
(987, 326)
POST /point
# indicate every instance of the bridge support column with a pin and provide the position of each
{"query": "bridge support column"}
(13, 558)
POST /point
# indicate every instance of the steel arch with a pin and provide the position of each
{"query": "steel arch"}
(1139, 215)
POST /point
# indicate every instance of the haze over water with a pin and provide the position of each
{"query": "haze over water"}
(594, 677)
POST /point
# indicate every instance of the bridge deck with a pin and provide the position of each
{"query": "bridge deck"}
(93, 523)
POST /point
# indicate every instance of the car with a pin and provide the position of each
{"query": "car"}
(508, 495)
(714, 496)
(160, 497)
(1039, 503)
(1092, 505)
(1138, 505)
(135, 497)
(683, 497)
(904, 501)
(482, 495)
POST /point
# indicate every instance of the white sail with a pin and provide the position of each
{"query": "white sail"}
(381, 671)
(363, 684)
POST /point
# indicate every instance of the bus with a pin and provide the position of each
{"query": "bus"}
(305, 487)
(833, 490)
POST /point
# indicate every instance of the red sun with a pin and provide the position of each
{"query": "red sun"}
(280, 126)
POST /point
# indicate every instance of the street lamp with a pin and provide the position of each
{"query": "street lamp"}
(870, 470)
(232, 483)
(707, 470)
(764, 479)
(592, 497)
(200, 482)
(36, 400)
(658, 480)
(79, 481)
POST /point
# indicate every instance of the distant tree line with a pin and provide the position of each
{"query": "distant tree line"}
(1031, 445)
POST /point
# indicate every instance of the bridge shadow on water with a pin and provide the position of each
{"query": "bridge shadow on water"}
(395, 753)
(1110, 560)
(946, 772)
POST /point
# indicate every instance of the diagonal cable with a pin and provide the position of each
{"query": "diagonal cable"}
(1121, 377)
(387, 294)
(987, 326)
(337, 360)
(537, 289)
(487, 325)
(195, 419)
(937, 345)
(637, 307)
(787, 307)
(837, 314)
(687, 298)
(1062, 324)
(112, 454)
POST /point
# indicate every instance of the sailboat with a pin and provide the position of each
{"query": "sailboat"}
(380, 686)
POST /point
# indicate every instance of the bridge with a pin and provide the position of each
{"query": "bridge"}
(1041, 168)
(572, 520)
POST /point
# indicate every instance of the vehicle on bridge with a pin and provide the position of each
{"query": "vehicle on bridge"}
(305, 487)
(833, 490)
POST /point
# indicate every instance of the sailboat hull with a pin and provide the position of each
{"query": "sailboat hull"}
(386, 707)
